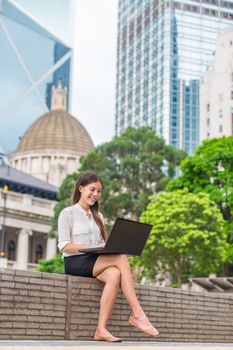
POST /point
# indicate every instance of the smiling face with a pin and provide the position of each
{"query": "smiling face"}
(90, 194)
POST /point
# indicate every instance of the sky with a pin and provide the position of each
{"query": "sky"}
(96, 35)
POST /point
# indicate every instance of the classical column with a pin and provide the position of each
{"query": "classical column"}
(3, 259)
(19, 164)
(51, 248)
(22, 249)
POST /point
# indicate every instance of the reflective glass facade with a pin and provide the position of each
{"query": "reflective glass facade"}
(54, 15)
(164, 49)
(32, 60)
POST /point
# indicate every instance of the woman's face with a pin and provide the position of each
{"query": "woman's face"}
(90, 193)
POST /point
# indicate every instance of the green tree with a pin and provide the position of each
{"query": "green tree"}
(55, 264)
(210, 170)
(187, 234)
(132, 166)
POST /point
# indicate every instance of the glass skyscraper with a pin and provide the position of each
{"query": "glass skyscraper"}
(164, 49)
(35, 53)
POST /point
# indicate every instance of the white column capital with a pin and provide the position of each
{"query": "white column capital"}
(25, 232)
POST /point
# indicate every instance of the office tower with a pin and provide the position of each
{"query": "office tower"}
(164, 48)
(216, 92)
(62, 74)
(36, 53)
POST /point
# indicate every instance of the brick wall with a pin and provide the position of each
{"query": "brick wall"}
(36, 305)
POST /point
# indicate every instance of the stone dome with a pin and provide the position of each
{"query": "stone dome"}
(56, 130)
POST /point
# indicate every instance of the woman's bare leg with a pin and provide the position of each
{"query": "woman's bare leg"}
(120, 261)
(127, 284)
(111, 278)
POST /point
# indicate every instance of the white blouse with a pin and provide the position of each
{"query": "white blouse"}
(74, 226)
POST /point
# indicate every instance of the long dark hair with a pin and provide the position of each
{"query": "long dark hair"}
(84, 180)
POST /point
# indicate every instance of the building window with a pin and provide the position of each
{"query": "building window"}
(208, 121)
(11, 249)
(208, 107)
(220, 113)
(232, 95)
(38, 253)
(220, 128)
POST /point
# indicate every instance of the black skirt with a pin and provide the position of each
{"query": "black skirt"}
(80, 265)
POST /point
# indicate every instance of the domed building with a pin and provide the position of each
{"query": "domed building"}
(52, 146)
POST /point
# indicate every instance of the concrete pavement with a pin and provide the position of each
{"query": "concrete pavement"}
(91, 345)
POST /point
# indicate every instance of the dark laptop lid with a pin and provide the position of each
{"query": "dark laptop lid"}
(127, 237)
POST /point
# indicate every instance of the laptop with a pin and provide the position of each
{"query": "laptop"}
(126, 237)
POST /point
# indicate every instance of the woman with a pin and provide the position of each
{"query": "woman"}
(81, 226)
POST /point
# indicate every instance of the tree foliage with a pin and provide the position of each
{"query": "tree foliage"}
(55, 264)
(132, 166)
(187, 234)
(210, 170)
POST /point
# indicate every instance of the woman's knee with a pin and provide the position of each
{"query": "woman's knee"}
(122, 259)
(113, 275)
